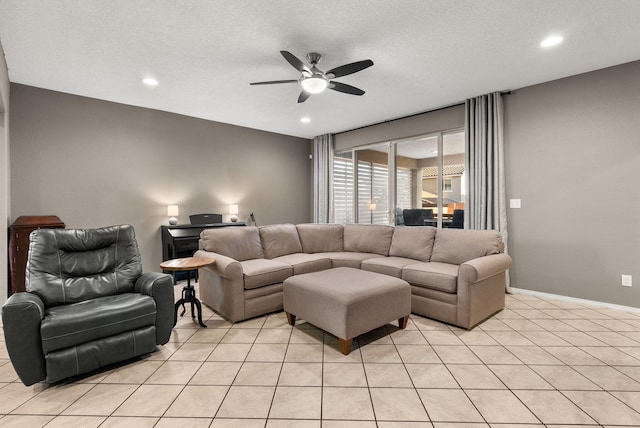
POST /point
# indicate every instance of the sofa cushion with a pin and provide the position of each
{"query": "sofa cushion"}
(435, 275)
(391, 266)
(413, 242)
(279, 240)
(306, 263)
(321, 238)
(368, 238)
(457, 246)
(349, 258)
(238, 243)
(69, 325)
(261, 272)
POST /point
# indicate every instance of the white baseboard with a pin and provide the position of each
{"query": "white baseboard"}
(575, 300)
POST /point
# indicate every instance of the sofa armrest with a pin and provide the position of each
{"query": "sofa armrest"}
(160, 287)
(481, 268)
(222, 285)
(224, 266)
(481, 288)
(22, 314)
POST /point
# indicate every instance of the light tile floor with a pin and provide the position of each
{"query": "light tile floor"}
(540, 362)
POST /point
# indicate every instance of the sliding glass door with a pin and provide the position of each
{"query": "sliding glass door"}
(411, 156)
(343, 188)
(414, 181)
(372, 178)
(443, 178)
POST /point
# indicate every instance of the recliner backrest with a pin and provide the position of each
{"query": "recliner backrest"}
(72, 265)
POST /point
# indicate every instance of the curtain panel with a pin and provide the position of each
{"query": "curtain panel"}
(322, 181)
(486, 204)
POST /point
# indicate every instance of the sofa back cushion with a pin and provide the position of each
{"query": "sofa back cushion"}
(457, 246)
(321, 238)
(279, 240)
(239, 243)
(368, 238)
(413, 242)
(73, 265)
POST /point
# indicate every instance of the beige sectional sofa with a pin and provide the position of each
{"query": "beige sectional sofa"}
(456, 276)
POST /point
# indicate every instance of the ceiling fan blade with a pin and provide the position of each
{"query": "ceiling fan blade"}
(303, 96)
(347, 89)
(273, 82)
(294, 61)
(346, 69)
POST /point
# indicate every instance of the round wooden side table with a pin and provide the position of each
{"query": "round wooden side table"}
(188, 264)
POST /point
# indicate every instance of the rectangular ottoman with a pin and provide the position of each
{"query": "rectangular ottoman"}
(347, 302)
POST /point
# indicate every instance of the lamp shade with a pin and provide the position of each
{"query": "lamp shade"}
(172, 210)
(233, 210)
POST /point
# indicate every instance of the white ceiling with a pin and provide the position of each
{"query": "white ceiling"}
(427, 53)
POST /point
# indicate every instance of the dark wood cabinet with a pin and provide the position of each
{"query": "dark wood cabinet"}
(19, 245)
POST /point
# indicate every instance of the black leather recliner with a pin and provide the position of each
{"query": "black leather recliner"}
(87, 304)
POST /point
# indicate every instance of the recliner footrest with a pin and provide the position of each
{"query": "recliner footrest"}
(89, 356)
(69, 325)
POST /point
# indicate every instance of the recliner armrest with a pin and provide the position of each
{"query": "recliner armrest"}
(21, 318)
(160, 287)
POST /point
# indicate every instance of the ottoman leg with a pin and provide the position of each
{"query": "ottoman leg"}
(291, 319)
(345, 346)
(402, 322)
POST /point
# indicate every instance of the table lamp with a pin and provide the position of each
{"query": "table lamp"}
(233, 210)
(172, 211)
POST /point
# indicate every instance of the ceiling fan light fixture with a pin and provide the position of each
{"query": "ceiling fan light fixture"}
(314, 84)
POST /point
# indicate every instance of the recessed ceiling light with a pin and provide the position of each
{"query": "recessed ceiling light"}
(551, 41)
(150, 81)
(305, 120)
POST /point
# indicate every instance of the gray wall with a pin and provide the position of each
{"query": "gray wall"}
(96, 163)
(4, 172)
(573, 157)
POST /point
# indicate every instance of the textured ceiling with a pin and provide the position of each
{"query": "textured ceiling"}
(427, 53)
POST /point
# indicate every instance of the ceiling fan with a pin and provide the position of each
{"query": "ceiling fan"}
(314, 80)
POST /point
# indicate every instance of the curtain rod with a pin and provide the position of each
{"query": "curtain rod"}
(508, 92)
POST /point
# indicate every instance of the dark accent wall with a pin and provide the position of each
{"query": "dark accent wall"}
(96, 163)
